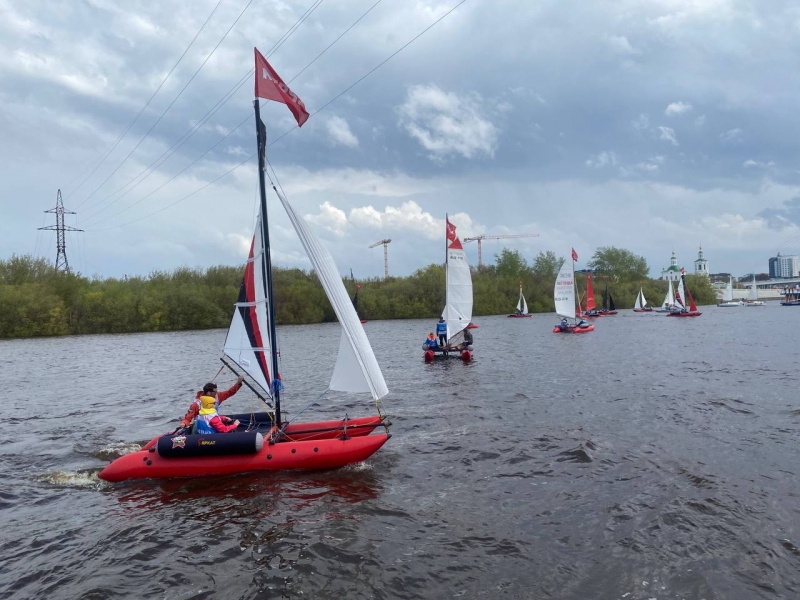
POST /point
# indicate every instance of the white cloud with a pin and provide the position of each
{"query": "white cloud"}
(648, 167)
(340, 134)
(331, 218)
(700, 121)
(621, 45)
(642, 122)
(732, 135)
(446, 123)
(409, 216)
(603, 159)
(668, 135)
(677, 108)
(754, 163)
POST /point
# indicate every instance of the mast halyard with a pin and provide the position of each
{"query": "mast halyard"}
(266, 265)
(446, 313)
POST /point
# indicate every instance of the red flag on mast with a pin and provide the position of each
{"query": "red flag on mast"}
(270, 86)
(574, 255)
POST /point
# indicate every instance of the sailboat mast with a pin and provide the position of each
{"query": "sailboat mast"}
(266, 265)
(446, 295)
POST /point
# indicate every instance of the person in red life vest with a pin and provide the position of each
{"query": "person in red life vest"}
(209, 389)
(209, 421)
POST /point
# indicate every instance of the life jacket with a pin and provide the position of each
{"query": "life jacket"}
(441, 327)
(207, 412)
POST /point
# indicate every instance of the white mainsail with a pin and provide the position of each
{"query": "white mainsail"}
(644, 301)
(458, 306)
(669, 299)
(564, 291)
(753, 295)
(727, 295)
(522, 306)
(638, 304)
(681, 293)
(248, 341)
(356, 367)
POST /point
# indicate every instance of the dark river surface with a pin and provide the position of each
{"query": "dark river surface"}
(655, 458)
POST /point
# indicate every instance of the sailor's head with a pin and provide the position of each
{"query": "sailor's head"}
(441, 319)
(431, 336)
(210, 389)
(208, 404)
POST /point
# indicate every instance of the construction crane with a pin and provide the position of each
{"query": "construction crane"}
(385, 256)
(480, 238)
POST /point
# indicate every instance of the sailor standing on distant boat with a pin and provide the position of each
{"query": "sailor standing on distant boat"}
(441, 331)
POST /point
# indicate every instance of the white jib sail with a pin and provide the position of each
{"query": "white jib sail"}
(458, 310)
(524, 305)
(644, 302)
(727, 296)
(564, 291)
(248, 341)
(669, 299)
(681, 292)
(356, 368)
(638, 304)
(753, 295)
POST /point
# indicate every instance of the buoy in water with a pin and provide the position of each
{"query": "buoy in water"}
(428, 355)
(466, 355)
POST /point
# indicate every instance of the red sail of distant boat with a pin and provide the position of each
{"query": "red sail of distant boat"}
(590, 304)
(692, 305)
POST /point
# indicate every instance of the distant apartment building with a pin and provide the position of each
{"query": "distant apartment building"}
(784, 266)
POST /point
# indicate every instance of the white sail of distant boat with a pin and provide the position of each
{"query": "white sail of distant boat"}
(644, 301)
(680, 296)
(564, 291)
(522, 306)
(458, 302)
(669, 299)
(638, 304)
(727, 295)
(752, 296)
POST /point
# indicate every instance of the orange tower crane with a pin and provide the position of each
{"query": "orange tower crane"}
(480, 238)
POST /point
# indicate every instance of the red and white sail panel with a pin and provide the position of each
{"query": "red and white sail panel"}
(458, 305)
(564, 290)
(248, 342)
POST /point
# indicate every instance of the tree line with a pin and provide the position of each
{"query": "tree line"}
(35, 300)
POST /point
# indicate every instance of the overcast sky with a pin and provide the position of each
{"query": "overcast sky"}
(653, 126)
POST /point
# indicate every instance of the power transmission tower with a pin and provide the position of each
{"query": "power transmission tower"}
(61, 229)
(480, 238)
(385, 256)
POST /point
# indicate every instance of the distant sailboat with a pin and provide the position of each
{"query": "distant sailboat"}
(752, 297)
(641, 304)
(458, 299)
(680, 309)
(727, 296)
(608, 307)
(564, 298)
(669, 299)
(522, 306)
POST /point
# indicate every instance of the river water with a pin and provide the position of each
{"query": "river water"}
(653, 458)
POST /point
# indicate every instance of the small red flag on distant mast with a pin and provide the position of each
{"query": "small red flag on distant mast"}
(270, 86)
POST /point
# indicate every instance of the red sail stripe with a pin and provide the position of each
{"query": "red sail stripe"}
(250, 285)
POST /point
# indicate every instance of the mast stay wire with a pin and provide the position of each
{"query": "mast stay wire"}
(220, 103)
(275, 141)
(136, 118)
(124, 160)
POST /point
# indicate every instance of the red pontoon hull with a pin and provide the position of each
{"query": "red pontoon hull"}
(308, 446)
(686, 314)
(573, 329)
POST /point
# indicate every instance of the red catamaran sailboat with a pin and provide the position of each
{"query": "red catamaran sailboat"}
(679, 309)
(564, 299)
(266, 441)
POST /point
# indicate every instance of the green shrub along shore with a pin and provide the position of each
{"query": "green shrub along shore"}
(35, 300)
